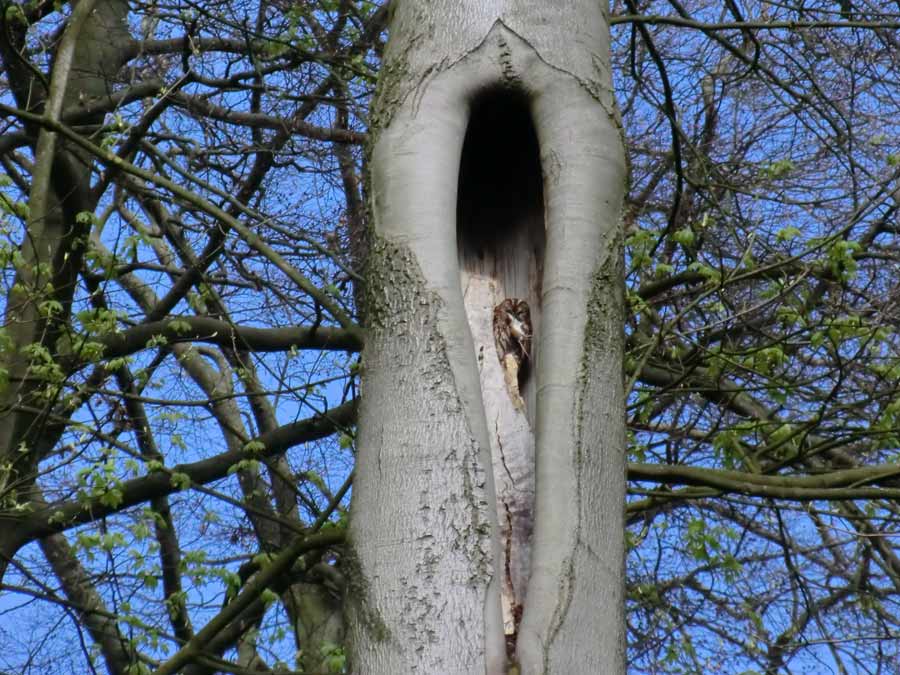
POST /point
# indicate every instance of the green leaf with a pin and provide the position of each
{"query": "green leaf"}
(335, 660)
(244, 464)
(14, 14)
(180, 481)
(111, 498)
(787, 233)
(179, 326)
(684, 236)
(157, 341)
(779, 168)
(254, 447)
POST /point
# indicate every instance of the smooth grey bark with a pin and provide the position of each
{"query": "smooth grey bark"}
(427, 566)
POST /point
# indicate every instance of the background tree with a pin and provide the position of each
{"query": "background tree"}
(183, 210)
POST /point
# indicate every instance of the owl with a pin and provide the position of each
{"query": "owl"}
(512, 330)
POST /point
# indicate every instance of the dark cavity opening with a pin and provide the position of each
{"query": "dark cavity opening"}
(500, 206)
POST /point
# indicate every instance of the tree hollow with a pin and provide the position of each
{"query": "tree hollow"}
(501, 243)
(500, 209)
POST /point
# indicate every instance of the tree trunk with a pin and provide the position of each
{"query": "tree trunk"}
(487, 526)
(38, 310)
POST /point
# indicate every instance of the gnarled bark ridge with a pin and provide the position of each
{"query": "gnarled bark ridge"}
(488, 507)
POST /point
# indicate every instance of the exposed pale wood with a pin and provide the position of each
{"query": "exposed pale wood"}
(512, 448)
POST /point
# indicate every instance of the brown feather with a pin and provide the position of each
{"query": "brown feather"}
(512, 329)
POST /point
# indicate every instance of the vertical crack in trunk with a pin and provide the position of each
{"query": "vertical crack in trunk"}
(501, 241)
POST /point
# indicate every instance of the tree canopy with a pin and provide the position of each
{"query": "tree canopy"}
(183, 228)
